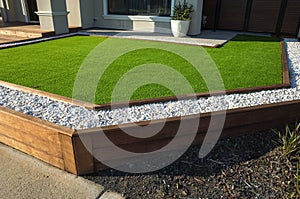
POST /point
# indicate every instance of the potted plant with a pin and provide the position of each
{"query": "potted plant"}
(180, 22)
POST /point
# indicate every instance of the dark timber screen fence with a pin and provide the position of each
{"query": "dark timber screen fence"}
(270, 16)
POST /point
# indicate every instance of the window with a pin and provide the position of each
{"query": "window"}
(140, 7)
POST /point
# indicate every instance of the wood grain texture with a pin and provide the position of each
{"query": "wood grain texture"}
(68, 153)
(66, 150)
(35, 122)
(28, 149)
(31, 140)
(285, 66)
(264, 15)
(83, 157)
(237, 122)
(232, 14)
(46, 141)
(209, 10)
(292, 18)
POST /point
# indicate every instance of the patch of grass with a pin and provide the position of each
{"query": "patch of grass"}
(290, 140)
(249, 61)
(245, 61)
(135, 58)
(49, 66)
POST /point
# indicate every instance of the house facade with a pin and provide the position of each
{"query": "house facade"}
(58, 15)
(271, 16)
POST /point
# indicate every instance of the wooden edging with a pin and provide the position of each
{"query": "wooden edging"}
(237, 122)
(47, 94)
(91, 106)
(65, 149)
(44, 140)
(285, 66)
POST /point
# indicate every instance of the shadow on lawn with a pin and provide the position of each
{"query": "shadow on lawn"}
(254, 38)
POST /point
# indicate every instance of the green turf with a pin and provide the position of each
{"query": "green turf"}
(245, 61)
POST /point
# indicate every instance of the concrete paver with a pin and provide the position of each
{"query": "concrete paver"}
(22, 176)
(207, 38)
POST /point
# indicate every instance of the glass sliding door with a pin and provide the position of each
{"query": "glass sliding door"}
(140, 7)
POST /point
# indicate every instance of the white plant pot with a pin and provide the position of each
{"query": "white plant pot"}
(180, 28)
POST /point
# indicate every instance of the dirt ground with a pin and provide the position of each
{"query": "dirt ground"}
(250, 166)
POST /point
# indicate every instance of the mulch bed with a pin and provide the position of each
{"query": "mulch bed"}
(249, 166)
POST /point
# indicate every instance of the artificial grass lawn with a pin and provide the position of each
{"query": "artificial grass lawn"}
(245, 61)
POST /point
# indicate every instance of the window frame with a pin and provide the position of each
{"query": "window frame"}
(106, 15)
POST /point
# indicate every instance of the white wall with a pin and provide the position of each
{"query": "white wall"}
(1, 10)
(108, 23)
(81, 13)
(74, 16)
(102, 21)
(53, 15)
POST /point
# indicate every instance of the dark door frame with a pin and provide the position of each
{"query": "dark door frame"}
(31, 8)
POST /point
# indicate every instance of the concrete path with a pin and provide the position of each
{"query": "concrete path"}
(22, 176)
(207, 38)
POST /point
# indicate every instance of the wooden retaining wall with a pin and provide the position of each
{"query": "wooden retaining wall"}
(44, 140)
(63, 147)
(238, 122)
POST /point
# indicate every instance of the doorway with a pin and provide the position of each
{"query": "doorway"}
(31, 9)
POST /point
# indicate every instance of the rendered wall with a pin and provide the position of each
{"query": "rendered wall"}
(87, 13)
(104, 23)
(128, 24)
(81, 13)
(74, 17)
(90, 13)
(53, 15)
(2, 12)
(151, 26)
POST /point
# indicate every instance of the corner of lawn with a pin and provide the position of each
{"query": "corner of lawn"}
(52, 66)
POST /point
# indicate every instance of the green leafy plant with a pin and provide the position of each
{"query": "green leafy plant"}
(290, 140)
(182, 11)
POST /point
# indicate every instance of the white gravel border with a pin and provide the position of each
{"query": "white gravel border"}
(77, 117)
